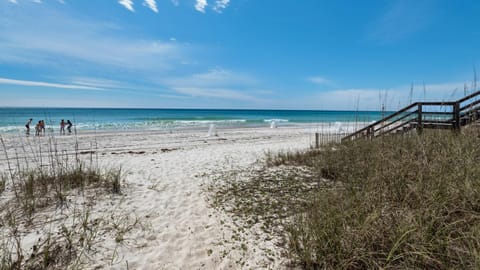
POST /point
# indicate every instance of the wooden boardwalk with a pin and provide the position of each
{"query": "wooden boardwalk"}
(421, 115)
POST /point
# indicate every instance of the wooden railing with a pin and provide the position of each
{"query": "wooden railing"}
(419, 115)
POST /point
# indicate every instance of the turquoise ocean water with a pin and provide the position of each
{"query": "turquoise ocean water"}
(12, 120)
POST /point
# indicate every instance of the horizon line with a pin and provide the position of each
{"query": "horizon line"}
(184, 108)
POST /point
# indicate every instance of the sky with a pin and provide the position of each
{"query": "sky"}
(242, 54)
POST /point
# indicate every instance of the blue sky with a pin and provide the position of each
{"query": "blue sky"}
(270, 54)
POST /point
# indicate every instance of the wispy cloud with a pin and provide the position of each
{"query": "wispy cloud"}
(151, 4)
(47, 84)
(216, 83)
(402, 19)
(60, 41)
(201, 5)
(175, 2)
(214, 93)
(97, 83)
(128, 4)
(213, 78)
(13, 1)
(220, 5)
(320, 80)
(393, 98)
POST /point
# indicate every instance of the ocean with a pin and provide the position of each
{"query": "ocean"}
(13, 120)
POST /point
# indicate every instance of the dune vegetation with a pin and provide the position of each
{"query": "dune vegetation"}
(47, 189)
(397, 202)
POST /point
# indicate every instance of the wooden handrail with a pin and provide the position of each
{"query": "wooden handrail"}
(398, 119)
(438, 113)
(449, 122)
(433, 103)
(456, 121)
(399, 126)
(470, 105)
(468, 97)
(382, 120)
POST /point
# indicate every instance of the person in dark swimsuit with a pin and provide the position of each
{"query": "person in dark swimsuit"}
(69, 126)
(27, 125)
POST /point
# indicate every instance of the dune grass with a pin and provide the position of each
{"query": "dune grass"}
(399, 202)
(46, 178)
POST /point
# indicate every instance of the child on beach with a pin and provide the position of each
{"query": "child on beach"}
(62, 127)
(27, 125)
(38, 128)
(69, 126)
(42, 127)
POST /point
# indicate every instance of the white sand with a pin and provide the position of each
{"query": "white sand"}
(176, 228)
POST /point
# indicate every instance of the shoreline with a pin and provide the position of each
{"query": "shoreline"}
(325, 127)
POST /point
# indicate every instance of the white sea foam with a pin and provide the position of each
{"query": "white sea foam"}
(208, 122)
(154, 125)
(14, 129)
(276, 120)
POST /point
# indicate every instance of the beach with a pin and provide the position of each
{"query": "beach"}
(163, 208)
(145, 134)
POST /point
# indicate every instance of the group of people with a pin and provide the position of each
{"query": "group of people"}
(40, 127)
(62, 127)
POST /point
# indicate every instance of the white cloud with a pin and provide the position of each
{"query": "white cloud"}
(220, 5)
(394, 98)
(151, 4)
(215, 78)
(97, 83)
(175, 3)
(128, 4)
(201, 5)
(13, 1)
(214, 93)
(216, 83)
(37, 1)
(47, 84)
(60, 42)
(319, 80)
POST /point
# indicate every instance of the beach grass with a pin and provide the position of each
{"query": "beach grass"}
(398, 202)
(45, 180)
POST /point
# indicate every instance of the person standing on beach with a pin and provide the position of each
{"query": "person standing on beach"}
(38, 128)
(27, 125)
(42, 127)
(69, 126)
(62, 127)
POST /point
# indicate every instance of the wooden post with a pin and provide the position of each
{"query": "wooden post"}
(370, 133)
(317, 140)
(456, 116)
(419, 119)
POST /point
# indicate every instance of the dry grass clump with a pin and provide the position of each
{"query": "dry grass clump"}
(39, 187)
(60, 249)
(399, 202)
(53, 181)
(43, 178)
